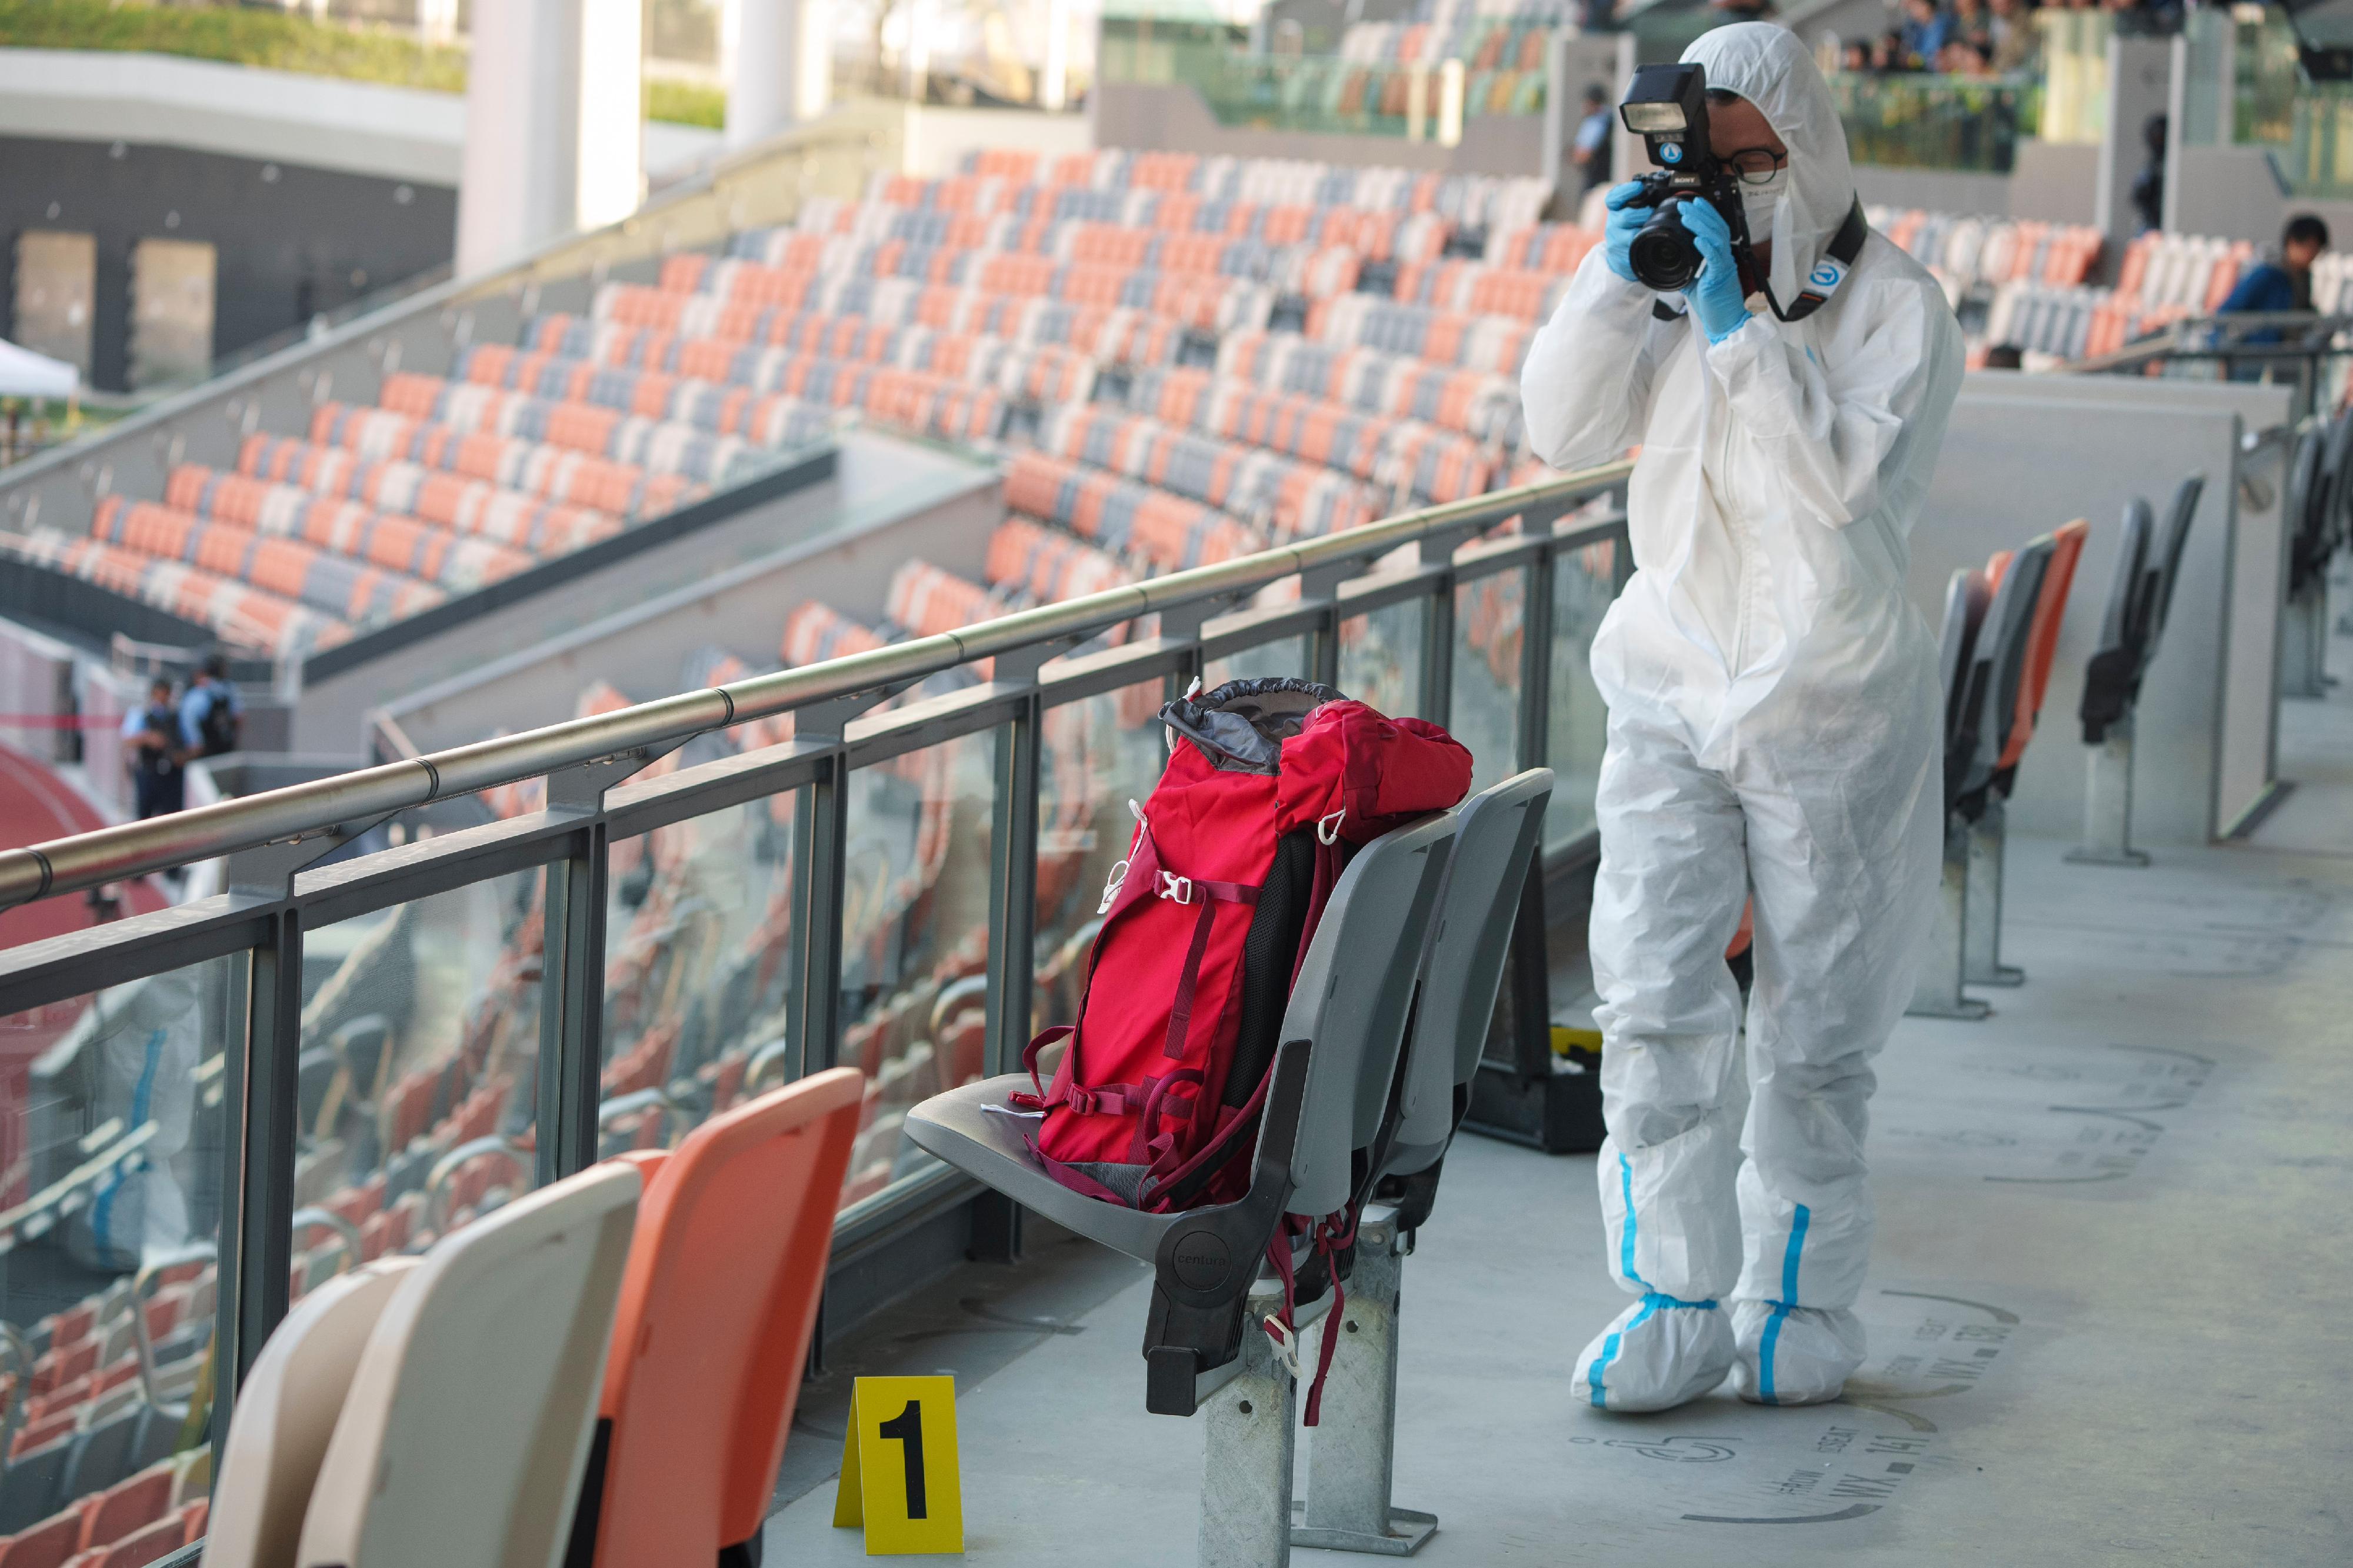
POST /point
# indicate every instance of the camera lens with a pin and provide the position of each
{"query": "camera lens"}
(1663, 255)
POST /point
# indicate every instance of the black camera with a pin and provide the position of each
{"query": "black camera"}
(1667, 107)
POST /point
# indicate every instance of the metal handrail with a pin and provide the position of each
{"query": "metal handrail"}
(2180, 339)
(323, 806)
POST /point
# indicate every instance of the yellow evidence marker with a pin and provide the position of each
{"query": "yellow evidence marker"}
(898, 1474)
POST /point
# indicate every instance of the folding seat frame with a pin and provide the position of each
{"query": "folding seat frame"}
(1204, 1344)
(2317, 492)
(2139, 596)
(1981, 962)
(1990, 673)
(1498, 834)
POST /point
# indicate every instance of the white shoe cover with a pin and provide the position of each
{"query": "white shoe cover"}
(1793, 1355)
(1660, 1353)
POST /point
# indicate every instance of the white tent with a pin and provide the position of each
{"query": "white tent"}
(24, 373)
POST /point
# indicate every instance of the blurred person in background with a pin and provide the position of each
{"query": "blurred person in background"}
(1972, 25)
(2148, 185)
(212, 715)
(2284, 283)
(1928, 29)
(1855, 56)
(153, 747)
(2016, 41)
(1966, 57)
(1594, 136)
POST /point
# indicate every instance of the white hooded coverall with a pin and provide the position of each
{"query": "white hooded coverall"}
(1775, 727)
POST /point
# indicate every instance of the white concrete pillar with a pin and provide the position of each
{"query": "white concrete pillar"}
(436, 21)
(776, 57)
(554, 125)
(916, 13)
(1054, 89)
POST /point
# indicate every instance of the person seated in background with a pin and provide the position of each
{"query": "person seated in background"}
(1963, 56)
(2016, 41)
(1928, 29)
(1855, 56)
(1887, 52)
(151, 744)
(2274, 285)
(2285, 283)
(1972, 27)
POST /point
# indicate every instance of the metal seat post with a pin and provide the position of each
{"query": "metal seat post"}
(2107, 801)
(1937, 993)
(1350, 1458)
(1981, 962)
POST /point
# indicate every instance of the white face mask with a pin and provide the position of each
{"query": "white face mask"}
(1758, 201)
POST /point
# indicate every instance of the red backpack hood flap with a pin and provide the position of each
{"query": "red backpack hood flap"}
(1377, 772)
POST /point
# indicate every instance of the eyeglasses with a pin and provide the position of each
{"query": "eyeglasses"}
(1756, 165)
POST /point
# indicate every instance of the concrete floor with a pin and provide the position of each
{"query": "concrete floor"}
(2107, 1307)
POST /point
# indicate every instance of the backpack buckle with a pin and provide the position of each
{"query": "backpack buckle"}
(1286, 1343)
(1175, 888)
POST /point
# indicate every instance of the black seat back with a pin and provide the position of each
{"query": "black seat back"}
(2113, 673)
(2165, 570)
(1966, 599)
(2005, 689)
(2306, 511)
(1989, 697)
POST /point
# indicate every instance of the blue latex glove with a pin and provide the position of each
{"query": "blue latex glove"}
(1715, 294)
(1624, 224)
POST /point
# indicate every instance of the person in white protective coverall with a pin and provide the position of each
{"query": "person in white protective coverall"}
(1774, 721)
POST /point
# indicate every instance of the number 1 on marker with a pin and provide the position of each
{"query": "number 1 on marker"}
(924, 1513)
(906, 1429)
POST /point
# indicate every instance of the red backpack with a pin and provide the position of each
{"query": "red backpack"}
(1204, 925)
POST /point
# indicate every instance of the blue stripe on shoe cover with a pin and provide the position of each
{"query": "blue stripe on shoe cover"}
(1651, 1302)
(1789, 1258)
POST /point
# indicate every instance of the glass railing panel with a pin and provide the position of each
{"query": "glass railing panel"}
(1380, 657)
(1326, 92)
(2075, 75)
(1577, 726)
(914, 929)
(1284, 656)
(1924, 122)
(2268, 75)
(111, 1127)
(1486, 712)
(697, 934)
(1095, 756)
(417, 1085)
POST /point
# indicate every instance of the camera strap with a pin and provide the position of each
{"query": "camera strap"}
(1830, 270)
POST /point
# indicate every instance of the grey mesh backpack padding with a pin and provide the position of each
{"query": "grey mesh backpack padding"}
(1242, 725)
